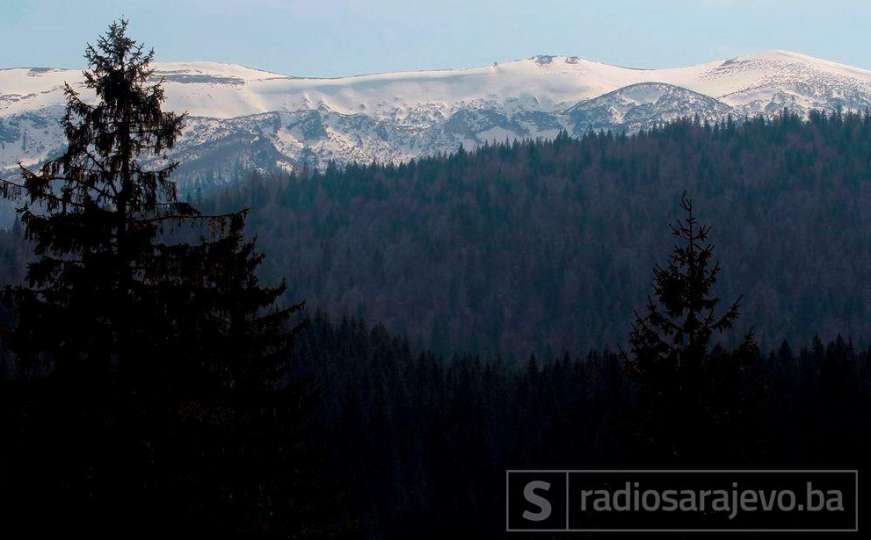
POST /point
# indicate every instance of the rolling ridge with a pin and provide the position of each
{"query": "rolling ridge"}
(243, 117)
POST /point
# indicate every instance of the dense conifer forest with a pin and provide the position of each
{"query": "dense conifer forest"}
(548, 246)
(416, 445)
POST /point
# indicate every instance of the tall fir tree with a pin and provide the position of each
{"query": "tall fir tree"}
(152, 355)
(671, 341)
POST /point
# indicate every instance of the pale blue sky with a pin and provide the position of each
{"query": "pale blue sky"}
(338, 37)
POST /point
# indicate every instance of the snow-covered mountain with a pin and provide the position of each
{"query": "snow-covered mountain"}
(261, 119)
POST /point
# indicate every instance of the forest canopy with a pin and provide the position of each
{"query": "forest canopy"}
(548, 245)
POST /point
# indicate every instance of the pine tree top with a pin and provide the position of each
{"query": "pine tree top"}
(682, 317)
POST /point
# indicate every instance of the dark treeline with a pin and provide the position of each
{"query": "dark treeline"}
(416, 446)
(548, 245)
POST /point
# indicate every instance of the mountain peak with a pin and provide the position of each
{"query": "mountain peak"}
(785, 57)
(391, 117)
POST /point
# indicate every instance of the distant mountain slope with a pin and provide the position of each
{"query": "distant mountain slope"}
(261, 119)
(642, 106)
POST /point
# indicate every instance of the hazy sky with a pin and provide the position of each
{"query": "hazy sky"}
(338, 37)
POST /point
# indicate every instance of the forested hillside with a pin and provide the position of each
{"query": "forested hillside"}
(548, 246)
(416, 446)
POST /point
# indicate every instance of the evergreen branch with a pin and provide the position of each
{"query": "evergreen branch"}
(183, 216)
(73, 180)
(5, 185)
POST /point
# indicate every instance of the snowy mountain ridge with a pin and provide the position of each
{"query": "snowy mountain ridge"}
(249, 117)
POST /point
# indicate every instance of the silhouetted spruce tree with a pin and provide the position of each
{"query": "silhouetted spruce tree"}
(671, 342)
(162, 360)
